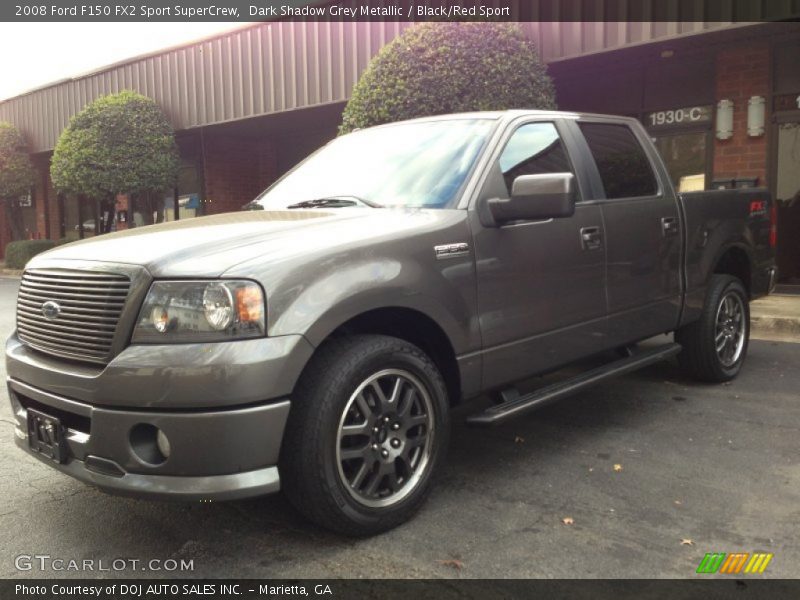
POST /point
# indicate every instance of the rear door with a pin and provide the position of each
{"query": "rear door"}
(642, 230)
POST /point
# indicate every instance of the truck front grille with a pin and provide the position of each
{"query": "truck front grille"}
(69, 313)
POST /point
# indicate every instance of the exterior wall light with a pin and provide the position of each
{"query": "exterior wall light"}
(755, 116)
(724, 119)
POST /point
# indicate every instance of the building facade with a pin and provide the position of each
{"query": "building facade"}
(722, 101)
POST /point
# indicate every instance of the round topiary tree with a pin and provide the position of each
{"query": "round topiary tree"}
(437, 68)
(17, 175)
(119, 144)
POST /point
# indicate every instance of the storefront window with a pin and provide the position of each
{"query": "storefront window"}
(189, 191)
(160, 207)
(149, 208)
(76, 211)
(684, 155)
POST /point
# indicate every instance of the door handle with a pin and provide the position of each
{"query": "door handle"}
(669, 226)
(591, 238)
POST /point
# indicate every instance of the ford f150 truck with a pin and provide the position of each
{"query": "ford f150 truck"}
(317, 342)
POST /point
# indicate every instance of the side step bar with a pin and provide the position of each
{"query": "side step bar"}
(517, 404)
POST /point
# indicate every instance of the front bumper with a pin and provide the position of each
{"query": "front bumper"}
(215, 455)
(222, 406)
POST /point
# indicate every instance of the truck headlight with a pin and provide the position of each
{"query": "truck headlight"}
(201, 311)
(218, 306)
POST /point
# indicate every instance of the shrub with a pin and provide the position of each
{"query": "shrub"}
(437, 68)
(17, 174)
(19, 253)
(118, 144)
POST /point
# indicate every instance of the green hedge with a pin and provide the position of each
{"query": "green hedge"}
(19, 253)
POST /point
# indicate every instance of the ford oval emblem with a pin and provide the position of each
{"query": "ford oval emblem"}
(51, 310)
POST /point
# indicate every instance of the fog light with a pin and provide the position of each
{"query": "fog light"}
(149, 444)
(163, 443)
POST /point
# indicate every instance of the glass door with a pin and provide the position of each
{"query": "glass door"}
(787, 189)
(787, 194)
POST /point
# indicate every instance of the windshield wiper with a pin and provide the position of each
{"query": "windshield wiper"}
(335, 202)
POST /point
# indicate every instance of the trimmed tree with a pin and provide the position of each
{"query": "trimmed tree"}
(437, 68)
(17, 175)
(119, 144)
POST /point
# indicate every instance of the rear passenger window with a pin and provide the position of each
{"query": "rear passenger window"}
(533, 149)
(621, 161)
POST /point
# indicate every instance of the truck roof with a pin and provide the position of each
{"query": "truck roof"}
(510, 115)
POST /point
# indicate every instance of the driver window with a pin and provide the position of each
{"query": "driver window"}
(533, 149)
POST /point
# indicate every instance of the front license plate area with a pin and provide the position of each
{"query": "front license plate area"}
(46, 435)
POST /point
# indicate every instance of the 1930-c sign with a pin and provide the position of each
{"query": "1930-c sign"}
(689, 115)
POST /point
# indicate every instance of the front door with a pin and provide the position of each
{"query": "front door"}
(541, 289)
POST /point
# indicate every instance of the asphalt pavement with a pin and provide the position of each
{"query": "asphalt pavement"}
(639, 477)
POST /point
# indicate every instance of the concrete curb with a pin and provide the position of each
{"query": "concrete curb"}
(782, 325)
(12, 273)
(776, 316)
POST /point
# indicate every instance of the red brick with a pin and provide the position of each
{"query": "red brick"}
(742, 72)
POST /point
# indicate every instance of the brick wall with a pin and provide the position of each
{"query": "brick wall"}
(235, 170)
(742, 72)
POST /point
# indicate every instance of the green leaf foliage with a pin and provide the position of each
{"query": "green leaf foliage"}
(438, 68)
(19, 253)
(118, 144)
(17, 174)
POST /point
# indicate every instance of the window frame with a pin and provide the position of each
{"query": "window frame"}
(498, 141)
(560, 138)
(598, 192)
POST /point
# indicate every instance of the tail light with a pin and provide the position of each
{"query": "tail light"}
(773, 225)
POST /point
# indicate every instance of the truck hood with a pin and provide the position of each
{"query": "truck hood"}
(208, 246)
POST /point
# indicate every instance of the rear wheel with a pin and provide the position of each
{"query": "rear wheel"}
(367, 430)
(715, 346)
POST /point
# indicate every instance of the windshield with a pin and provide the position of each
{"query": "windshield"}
(421, 164)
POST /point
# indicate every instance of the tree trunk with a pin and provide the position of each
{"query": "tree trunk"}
(145, 205)
(105, 215)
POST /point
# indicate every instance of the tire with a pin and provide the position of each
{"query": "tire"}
(343, 434)
(719, 323)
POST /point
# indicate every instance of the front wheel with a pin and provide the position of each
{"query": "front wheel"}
(715, 346)
(366, 432)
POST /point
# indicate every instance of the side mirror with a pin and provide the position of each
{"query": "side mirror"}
(536, 197)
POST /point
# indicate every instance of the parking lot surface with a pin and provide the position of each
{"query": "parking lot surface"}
(639, 477)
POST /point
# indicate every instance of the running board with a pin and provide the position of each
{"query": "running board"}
(517, 404)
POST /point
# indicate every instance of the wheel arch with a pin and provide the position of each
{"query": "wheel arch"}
(413, 326)
(735, 260)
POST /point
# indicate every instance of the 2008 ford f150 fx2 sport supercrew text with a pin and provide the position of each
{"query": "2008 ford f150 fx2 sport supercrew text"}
(317, 342)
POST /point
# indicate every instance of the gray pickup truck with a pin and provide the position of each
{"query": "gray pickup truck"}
(317, 342)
